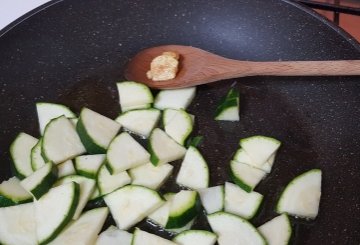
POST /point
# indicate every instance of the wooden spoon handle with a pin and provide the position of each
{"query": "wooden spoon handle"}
(305, 68)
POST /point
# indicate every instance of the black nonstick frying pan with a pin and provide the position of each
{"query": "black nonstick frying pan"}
(74, 51)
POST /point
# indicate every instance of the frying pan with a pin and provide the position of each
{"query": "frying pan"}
(74, 51)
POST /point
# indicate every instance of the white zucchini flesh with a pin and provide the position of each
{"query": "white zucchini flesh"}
(277, 231)
(60, 141)
(74, 121)
(175, 98)
(114, 236)
(96, 193)
(87, 187)
(89, 165)
(243, 157)
(134, 95)
(135, 107)
(234, 230)
(194, 171)
(96, 131)
(131, 204)
(66, 168)
(20, 151)
(163, 148)
(85, 230)
(260, 148)
(17, 225)
(178, 124)
(301, 196)
(108, 182)
(48, 111)
(124, 153)
(212, 198)
(37, 161)
(140, 122)
(229, 114)
(240, 202)
(54, 211)
(195, 237)
(161, 215)
(39, 182)
(246, 176)
(11, 192)
(143, 237)
(150, 176)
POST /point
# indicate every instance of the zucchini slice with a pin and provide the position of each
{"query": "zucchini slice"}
(96, 194)
(234, 230)
(184, 208)
(17, 225)
(60, 141)
(85, 230)
(135, 107)
(175, 98)
(277, 231)
(194, 171)
(37, 161)
(87, 187)
(229, 107)
(163, 148)
(131, 204)
(161, 215)
(20, 151)
(260, 149)
(212, 198)
(240, 202)
(89, 165)
(96, 131)
(54, 210)
(243, 157)
(133, 95)
(178, 124)
(195, 237)
(66, 168)
(150, 176)
(245, 176)
(114, 236)
(108, 182)
(41, 180)
(301, 196)
(140, 122)
(12, 193)
(124, 153)
(142, 237)
(48, 111)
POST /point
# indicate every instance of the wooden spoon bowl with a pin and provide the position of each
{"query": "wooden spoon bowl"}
(199, 67)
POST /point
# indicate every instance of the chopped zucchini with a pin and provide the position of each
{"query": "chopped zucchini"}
(124, 153)
(178, 124)
(150, 176)
(301, 196)
(140, 122)
(229, 107)
(246, 176)
(108, 182)
(212, 198)
(131, 204)
(163, 148)
(96, 131)
(175, 98)
(277, 231)
(12, 193)
(20, 151)
(133, 95)
(60, 141)
(194, 171)
(48, 111)
(240, 202)
(89, 165)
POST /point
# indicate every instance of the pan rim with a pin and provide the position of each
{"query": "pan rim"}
(337, 29)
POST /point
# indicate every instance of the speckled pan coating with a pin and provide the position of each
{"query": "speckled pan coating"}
(75, 51)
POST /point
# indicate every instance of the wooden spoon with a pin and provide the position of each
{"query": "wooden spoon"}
(199, 67)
